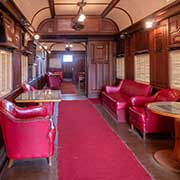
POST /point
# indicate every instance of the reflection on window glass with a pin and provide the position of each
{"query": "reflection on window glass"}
(67, 58)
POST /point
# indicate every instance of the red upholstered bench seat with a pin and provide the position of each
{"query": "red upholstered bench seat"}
(117, 98)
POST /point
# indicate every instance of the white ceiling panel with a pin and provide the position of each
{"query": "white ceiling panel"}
(93, 10)
(30, 7)
(138, 9)
(66, 10)
(120, 18)
(40, 17)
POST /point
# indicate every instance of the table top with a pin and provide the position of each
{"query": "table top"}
(40, 96)
(166, 108)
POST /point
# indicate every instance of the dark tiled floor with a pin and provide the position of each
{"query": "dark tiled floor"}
(37, 169)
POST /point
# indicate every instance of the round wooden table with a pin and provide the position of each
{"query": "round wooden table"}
(167, 157)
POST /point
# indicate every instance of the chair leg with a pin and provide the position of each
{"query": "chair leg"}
(11, 161)
(49, 161)
(144, 136)
(132, 127)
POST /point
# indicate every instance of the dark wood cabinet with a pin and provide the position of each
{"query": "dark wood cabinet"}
(174, 31)
(100, 65)
(159, 75)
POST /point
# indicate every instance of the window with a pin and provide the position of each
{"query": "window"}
(24, 69)
(142, 68)
(5, 72)
(120, 71)
(67, 58)
(174, 69)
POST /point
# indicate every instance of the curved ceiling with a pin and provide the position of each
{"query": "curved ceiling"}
(124, 12)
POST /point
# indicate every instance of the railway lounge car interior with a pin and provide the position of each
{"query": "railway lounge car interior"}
(90, 90)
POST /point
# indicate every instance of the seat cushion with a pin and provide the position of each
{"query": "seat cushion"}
(116, 101)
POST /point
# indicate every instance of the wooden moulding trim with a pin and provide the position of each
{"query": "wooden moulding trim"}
(111, 5)
(130, 18)
(52, 8)
(42, 9)
(99, 4)
(145, 51)
(112, 21)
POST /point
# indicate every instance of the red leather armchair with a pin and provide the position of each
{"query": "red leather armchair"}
(49, 105)
(28, 132)
(53, 80)
(146, 121)
(117, 98)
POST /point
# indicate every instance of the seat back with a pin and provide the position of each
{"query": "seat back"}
(132, 88)
(27, 137)
(27, 87)
(168, 95)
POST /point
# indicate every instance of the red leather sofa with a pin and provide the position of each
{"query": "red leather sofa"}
(117, 98)
(28, 132)
(49, 105)
(145, 120)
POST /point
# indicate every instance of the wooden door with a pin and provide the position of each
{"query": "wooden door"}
(100, 62)
(68, 68)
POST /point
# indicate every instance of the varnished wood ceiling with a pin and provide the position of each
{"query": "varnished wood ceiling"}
(122, 12)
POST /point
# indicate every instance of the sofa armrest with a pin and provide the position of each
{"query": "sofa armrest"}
(111, 89)
(141, 100)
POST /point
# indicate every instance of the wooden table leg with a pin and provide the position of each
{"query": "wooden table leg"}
(171, 158)
(176, 151)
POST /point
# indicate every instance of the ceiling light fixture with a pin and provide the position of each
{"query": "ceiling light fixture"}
(81, 17)
(68, 47)
(36, 36)
(78, 21)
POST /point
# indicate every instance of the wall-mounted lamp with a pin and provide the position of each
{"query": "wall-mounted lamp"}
(124, 35)
(36, 36)
(45, 47)
(149, 24)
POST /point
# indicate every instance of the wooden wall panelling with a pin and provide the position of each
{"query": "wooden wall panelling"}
(120, 47)
(159, 75)
(141, 41)
(62, 25)
(129, 57)
(16, 66)
(31, 57)
(174, 31)
(100, 66)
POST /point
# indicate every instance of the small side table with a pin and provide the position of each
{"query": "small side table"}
(167, 157)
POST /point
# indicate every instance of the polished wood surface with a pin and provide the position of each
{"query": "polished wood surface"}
(62, 25)
(167, 157)
(39, 96)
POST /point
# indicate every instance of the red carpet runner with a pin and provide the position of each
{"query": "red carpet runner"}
(89, 150)
(68, 88)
